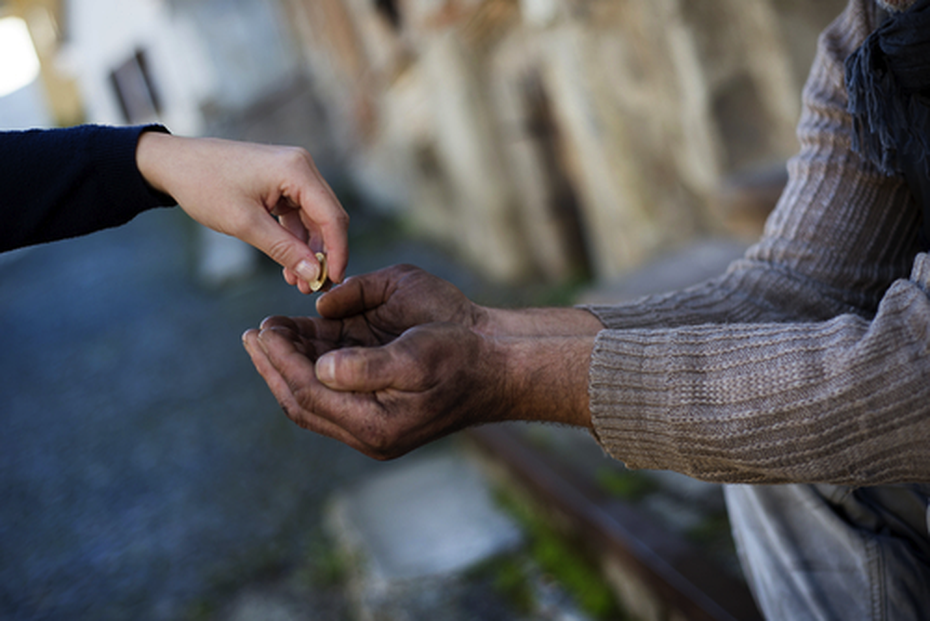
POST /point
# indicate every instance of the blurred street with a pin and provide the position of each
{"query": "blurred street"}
(146, 472)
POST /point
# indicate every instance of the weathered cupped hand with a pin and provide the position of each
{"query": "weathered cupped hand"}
(383, 400)
(386, 303)
(399, 358)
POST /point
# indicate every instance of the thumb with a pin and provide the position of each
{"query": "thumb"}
(284, 247)
(357, 369)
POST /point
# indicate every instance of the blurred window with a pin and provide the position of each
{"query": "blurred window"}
(135, 91)
(19, 64)
(390, 11)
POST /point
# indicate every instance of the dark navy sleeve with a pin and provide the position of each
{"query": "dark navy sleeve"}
(59, 183)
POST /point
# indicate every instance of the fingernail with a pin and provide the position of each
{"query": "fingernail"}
(307, 271)
(261, 340)
(326, 369)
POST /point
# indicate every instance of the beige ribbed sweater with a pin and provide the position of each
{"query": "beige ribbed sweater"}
(809, 360)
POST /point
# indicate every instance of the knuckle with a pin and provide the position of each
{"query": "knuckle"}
(342, 219)
(279, 250)
(346, 368)
(364, 366)
(296, 156)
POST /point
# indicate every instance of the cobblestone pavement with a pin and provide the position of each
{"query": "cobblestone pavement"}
(145, 470)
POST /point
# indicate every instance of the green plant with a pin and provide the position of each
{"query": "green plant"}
(329, 566)
(563, 563)
(625, 484)
(508, 576)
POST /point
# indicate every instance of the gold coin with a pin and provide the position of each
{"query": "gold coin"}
(317, 284)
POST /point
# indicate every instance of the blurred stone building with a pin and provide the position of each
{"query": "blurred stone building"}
(560, 137)
(54, 97)
(538, 138)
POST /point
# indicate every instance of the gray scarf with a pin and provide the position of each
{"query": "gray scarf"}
(888, 80)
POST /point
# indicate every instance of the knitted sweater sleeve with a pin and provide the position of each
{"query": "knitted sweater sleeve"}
(809, 360)
(60, 183)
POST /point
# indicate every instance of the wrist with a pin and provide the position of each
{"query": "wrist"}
(546, 378)
(500, 322)
(152, 152)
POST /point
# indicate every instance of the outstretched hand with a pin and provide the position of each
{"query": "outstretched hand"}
(383, 304)
(399, 358)
(240, 188)
(384, 401)
(376, 308)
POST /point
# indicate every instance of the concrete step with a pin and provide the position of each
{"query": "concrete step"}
(416, 532)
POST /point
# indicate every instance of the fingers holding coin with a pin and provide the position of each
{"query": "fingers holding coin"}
(316, 285)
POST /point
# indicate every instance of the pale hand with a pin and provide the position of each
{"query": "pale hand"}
(240, 189)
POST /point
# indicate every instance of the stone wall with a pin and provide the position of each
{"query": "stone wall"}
(552, 138)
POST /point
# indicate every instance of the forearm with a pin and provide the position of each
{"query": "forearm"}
(803, 363)
(62, 183)
(842, 401)
(752, 291)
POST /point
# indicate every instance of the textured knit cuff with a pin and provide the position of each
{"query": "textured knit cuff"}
(625, 389)
(115, 158)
